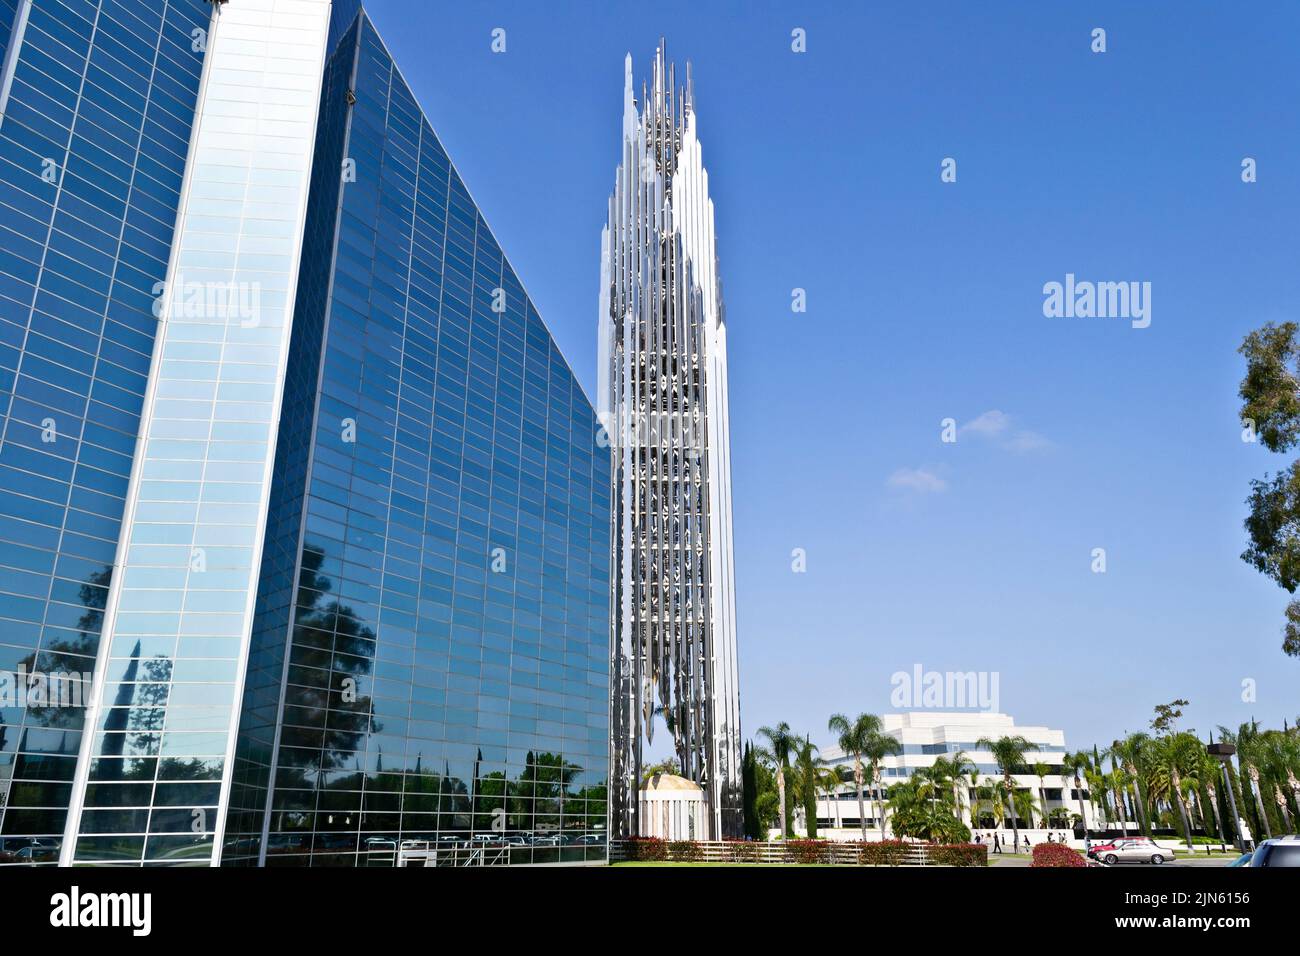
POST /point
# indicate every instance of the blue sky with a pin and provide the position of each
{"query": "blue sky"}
(925, 302)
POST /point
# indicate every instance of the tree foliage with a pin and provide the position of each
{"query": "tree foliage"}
(1270, 409)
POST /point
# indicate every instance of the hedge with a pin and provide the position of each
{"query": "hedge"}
(743, 851)
(645, 849)
(685, 851)
(960, 854)
(1056, 854)
(806, 851)
(883, 852)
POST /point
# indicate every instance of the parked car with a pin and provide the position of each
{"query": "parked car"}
(1132, 850)
(1282, 851)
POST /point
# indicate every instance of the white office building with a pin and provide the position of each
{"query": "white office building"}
(927, 736)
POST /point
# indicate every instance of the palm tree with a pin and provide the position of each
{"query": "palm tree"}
(806, 763)
(830, 777)
(993, 793)
(1076, 762)
(1116, 783)
(853, 740)
(1248, 755)
(1130, 751)
(955, 769)
(1098, 788)
(875, 749)
(1204, 772)
(1024, 804)
(1171, 756)
(1009, 754)
(1041, 770)
(780, 742)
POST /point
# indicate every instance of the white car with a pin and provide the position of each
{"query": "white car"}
(1135, 850)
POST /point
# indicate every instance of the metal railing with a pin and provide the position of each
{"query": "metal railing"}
(776, 852)
(426, 853)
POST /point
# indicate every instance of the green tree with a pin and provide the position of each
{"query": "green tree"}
(668, 766)
(1009, 754)
(1129, 753)
(806, 766)
(917, 814)
(780, 744)
(1270, 408)
(1077, 763)
(876, 748)
(955, 769)
(750, 793)
(853, 738)
(1041, 770)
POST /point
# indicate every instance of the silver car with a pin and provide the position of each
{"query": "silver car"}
(1140, 850)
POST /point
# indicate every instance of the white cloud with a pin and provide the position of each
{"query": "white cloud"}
(918, 480)
(996, 426)
(990, 424)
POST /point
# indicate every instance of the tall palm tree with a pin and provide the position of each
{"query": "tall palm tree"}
(1130, 752)
(1117, 785)
(830, 777)
(1098, 789)
(875, 749)
(1248, 756)
(1009, 754)
(1171, 756)
(853, 738)
(807, 764)
(780, 744)
(1041, 770)
(1203, 772)
(1236, 784)
(1076, 762)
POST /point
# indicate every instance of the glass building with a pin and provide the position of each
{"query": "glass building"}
(346, 599)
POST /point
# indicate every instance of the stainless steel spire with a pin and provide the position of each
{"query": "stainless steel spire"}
(662, 397)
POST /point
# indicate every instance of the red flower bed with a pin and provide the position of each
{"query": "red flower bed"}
(1056, 854)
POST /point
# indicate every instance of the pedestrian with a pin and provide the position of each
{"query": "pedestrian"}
(997, 844)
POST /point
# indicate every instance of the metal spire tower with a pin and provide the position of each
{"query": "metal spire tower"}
(662, 398)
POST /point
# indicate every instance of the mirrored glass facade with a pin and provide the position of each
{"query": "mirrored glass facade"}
(353, 581)
(98, 101)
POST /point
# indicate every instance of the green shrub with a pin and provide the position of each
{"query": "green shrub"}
(742, 851)
(645, 849)
(959, 854)
(684, 851)
(1056, 854)
(805, 851)
(882, 852)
